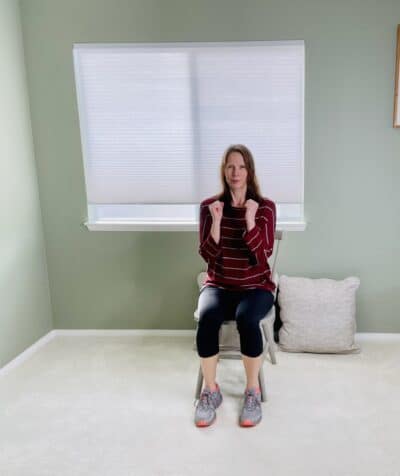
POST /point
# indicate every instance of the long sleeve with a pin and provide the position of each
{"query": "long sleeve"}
(208, 248)
(260, 239)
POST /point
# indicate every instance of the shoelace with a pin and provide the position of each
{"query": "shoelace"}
(251, 401)
(205, 398)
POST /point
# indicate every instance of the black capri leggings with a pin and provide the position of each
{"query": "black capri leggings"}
(247, 307)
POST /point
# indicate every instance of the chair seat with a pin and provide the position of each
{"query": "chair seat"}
(231, 321)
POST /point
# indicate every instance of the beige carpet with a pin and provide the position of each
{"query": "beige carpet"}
(124, 406)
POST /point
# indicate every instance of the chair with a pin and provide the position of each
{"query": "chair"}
(229, 340)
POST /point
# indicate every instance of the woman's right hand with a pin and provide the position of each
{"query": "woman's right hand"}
(216, 209)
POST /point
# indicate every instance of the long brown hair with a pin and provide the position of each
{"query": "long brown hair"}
(253, 189)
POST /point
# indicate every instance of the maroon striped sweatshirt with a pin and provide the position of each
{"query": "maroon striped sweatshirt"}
(240, 259)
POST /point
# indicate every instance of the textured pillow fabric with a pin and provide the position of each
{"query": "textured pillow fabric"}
(318, 315)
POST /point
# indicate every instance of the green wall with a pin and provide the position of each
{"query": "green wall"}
(25, 314)
(352, 163)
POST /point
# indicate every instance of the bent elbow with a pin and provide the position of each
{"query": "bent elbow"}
(203, 254)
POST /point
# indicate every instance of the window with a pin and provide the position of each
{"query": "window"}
(156, 118)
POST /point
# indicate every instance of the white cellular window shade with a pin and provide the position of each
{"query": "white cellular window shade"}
(156, 118)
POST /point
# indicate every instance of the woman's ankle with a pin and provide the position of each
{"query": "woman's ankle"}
(212, 386)
(256, 387)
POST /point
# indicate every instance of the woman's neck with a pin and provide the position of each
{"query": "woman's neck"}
(238, 198)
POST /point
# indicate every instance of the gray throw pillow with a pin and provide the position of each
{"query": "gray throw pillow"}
(318, 315)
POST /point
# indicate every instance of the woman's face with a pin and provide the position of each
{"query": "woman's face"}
(235, 171)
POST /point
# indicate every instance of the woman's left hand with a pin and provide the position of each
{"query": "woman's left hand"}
(250, 215)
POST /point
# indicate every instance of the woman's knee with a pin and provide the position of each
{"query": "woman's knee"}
(251, 340)
(248, 323)
(210, 317)
(207, 336)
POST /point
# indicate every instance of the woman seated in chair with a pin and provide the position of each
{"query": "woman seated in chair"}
(236, 231)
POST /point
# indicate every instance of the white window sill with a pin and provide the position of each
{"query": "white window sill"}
(171, 226)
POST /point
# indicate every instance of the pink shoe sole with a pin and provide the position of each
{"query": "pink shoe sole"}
(204, 423)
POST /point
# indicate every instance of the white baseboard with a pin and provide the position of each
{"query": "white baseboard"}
(27, 353)
(124, 332)
(360, 336)
(383, 336)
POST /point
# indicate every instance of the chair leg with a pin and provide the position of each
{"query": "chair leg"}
(261, 383)
(199, 384)
(271, 348)
(269, 335)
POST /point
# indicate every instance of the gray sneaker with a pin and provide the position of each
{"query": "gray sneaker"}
(205, 410)
(251, 411)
